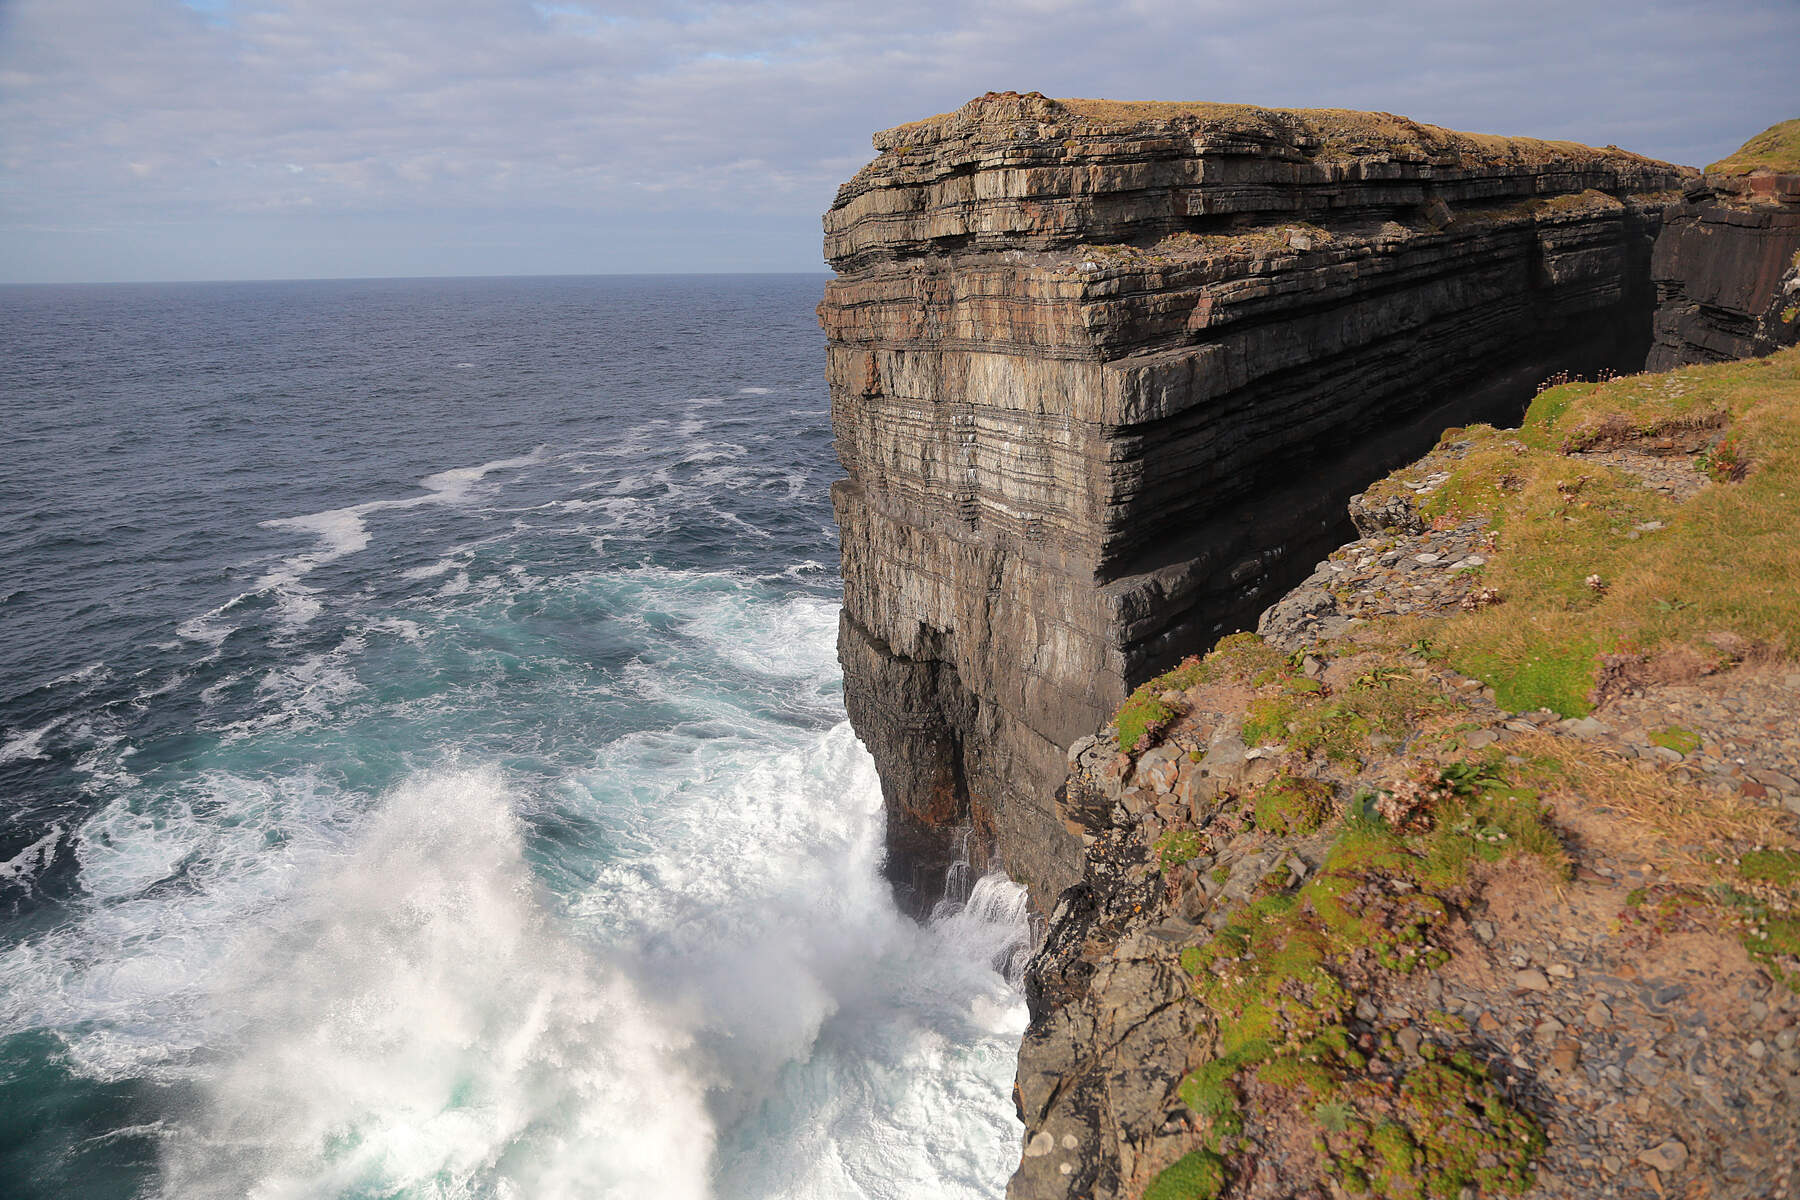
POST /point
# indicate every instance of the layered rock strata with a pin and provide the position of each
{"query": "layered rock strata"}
(1103, 375)
(1355, 923)
(1727, 267)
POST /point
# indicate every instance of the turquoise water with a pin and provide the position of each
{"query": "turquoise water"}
(423, 770)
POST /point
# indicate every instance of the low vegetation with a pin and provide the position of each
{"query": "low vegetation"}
(1776, 148)
(1281, 977)
(1595, 564)
(1380, 781)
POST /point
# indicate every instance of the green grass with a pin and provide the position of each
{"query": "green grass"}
(1776, 148)
(1383, 700)
(1723, 562)
(1779, 867)
(1682, 741)
(1196, 1176)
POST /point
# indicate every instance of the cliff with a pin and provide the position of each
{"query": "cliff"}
(1727, 266)
(1104, 374)
(1476, 870)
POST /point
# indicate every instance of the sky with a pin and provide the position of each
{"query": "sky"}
(267, 139)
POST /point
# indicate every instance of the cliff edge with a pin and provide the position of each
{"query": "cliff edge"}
(1476, 870)
(1104, 374)
(1727, 266)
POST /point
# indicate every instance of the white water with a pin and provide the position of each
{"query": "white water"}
(673, 971)
(744, 1014)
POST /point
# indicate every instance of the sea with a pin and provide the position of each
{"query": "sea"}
(423, 762)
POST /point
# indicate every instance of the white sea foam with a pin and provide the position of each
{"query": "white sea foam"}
(29, 743)
(340, 532)
(421, 1024)
(722, 1002)
(93, 670)
(207, 627)
(32, 861)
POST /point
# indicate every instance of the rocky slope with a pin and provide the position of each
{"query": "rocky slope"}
(1476, 871)
(1727, 265)
(1103, 375)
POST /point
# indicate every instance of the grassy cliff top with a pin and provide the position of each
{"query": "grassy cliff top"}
(1392, 856)
(1713, 579)
(1776, 149)
(1330, 133)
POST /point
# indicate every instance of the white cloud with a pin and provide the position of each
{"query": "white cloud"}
(159, 115)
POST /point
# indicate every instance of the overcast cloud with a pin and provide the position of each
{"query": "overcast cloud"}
(160, 139)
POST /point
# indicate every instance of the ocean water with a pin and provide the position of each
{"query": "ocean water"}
(423, 769)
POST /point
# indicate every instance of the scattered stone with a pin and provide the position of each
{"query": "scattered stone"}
(1532, 980)
(1667, 1158)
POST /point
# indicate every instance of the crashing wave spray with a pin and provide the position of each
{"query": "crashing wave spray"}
(420, 1027)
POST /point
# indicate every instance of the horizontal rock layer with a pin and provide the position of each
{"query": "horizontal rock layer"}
(1727, 271)
(1103, 375)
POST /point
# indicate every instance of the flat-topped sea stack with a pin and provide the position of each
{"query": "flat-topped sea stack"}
(1104, 374)
(1727, 265)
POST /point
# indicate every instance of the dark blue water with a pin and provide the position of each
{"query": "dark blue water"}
(422, 762)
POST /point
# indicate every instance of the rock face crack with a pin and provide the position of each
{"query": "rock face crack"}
(1104, 375)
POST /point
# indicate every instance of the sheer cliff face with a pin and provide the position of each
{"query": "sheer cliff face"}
(1103, 375)
(1727, 270)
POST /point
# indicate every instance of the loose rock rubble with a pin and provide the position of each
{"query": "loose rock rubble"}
(1659, 1056)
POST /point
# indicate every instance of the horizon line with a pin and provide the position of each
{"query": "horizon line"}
(398, 278)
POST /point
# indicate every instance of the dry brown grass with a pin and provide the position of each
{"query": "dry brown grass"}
(1639, 815)
(1337, 132)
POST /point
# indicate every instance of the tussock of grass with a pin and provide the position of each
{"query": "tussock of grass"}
(1580, 574)
(1292, 807)
(1776, 148)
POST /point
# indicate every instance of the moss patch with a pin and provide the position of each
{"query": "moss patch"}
(1682, 741)
(1278, 979)
(1178, 846)
(1291, 807)
(1196, 1176)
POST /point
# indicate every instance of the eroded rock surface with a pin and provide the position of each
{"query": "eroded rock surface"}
(1103, 376)
(1352, 926)
(1727, 264)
